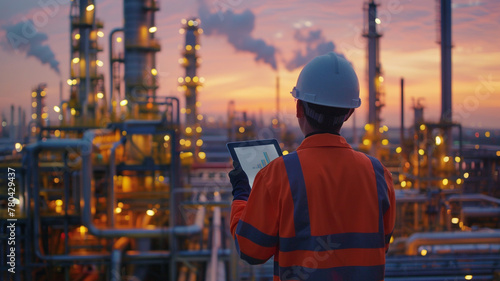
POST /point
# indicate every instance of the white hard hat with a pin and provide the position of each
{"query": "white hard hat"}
(328, 80)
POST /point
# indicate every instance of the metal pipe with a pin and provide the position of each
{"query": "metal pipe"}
(449, 238)
(402, 130)
(111, 183)
(111, 90)
(116, 257)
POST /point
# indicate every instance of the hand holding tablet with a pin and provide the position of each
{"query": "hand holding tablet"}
(254, 155)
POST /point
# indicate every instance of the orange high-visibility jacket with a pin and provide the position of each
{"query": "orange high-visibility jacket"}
(326, 212)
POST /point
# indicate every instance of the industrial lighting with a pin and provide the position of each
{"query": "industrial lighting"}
(202, 155)
(198, 130)
(154, 72)
(166, 137)
(180, 79)
(124, 102)
(446, 159)
(33, 104)
(202, 79)
(118, 39)
(75, 81)
(190, 23)
(18, 147)
(59, 202)
(423, 252)
(182, 141)
(33, 116)
(153, 29)
(100, 33)
(381, 79)
(197, 47)
(466, 175)
(188, 79)
(69, 81)
(183, 21)
(457, 159)
(189, 47)
(56, 180)
(60, 117)
(487, 134)
(76, 60)
(99, 63)
(118, 210)
(439, 140)
(56, 108)
(498, 153)
(445, 181)
(181, 31)
(189, 130)
(73, 111)
(422, 127)
(403, 184)
(399, 149)
(33, 94)
(195, 79)
(100, 95)
(385, 142)
(241, 130)
(57, 134)
(378, 21)
(366, 142)
(198, 103)
(199, 117)
(199, 142)
(459, 181)
(43, 93)
(4, 124)
(421, 151)
(455, 220)
(77, 36)
(90, 7)
(188, 143)
(285, 152)
(468, 277)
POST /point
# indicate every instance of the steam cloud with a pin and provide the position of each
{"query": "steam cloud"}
(316, 45)
(24, 37)
(237, 28)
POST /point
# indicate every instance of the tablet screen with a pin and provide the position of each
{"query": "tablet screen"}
(252, 158)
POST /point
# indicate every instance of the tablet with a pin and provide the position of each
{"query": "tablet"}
(254, 155)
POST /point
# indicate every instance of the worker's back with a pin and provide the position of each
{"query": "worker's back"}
(324, 213)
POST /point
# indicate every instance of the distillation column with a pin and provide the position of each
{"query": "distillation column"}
(87, 100)
(39, 112)
(190, 85)
(140, 58)
(374, 79)
(446, 45)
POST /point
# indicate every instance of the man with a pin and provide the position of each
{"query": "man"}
(326, 212)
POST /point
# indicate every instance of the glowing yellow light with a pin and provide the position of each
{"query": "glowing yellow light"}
(466, 175)
(241, 130)
(487, 134)
(198, 130)
(468, 277)
(421, 151)
(100, 33)
(118, 39)
(199, 117)
(118, 210)
(197, 47)
(82, 229)
(33, 104)
(445, 181)
(457, 159)
(74, 81)
(385, 142)
(180, 79)
(498, 153)
(476, 146)
(100, 95)
(198, 103)
(190, 23)
(189, 130)
(188, 110)
(56, 108)
(422, 127)
(124, 102)
(202, 79)
(181, 31)
(385, 128)
(33, 116)
(77, 36)
(42, 93)
(381, 79)
(195, 79)
(124, 133)
(366, 142)
(399, 149)
(183, 110)
(57, 134)
(275, 121)
(285, 152)
(183, 21)
(161, 178)
(199, 142)
(459, 181)
(202, 155)
(150, 213)
(455, 220)
(446, 159)
(18, 147)
(423, 252)
(90, 7)
(120, 204)
(403, 184)
(182, 141)
(367, 127)
(189, 47)
(188, 143)
(56, 180)
(73, 111)
(59, 202)
(200, 30)
(153, 29)
(45, 115)
(154, 72)
(392, 239)
(99, 63)
(76, 60)
(166, 137)
(439, 140)
(33, 94)
(378, 21)
(381, 130)
(188, 79)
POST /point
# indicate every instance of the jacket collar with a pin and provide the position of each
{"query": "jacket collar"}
(323, 140)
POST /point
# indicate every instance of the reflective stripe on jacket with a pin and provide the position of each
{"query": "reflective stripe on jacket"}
(326, 212)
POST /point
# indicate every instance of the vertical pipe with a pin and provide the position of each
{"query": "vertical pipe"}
(11, 130)
(402, 129)
(446, 106)
(278, 98)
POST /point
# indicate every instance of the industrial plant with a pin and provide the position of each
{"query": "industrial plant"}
(130, 185)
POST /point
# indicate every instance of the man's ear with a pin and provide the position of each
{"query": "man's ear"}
(351, 111)
(300, 109)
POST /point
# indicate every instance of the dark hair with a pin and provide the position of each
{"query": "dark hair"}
(331, 120)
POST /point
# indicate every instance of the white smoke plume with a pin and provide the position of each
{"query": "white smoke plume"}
(25, 38)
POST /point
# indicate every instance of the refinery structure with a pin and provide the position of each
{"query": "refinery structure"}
(122, 189)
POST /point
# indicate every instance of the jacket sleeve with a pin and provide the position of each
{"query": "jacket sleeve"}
(254, 223)
(390, 214)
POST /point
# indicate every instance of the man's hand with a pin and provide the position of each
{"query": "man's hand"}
(239, 181)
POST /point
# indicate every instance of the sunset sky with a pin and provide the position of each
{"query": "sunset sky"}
(408, 49)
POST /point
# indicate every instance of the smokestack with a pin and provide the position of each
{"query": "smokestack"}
(402, 129)
(60, 92)
(19, 125)
(278, 98)
(12, 136)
